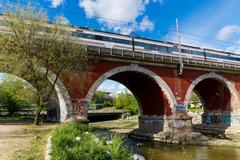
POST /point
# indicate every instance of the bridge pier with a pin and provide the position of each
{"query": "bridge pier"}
(80, 110)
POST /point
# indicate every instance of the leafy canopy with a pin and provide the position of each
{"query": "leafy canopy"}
(15, 94)
(32, 49)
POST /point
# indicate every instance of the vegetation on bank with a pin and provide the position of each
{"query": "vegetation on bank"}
(15, 94)
(123, 100)
(77, 141)
(128, 102)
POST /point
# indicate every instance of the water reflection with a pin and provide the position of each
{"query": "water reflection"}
(187, 152)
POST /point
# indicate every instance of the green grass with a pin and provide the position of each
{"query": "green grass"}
(116, 124)
(196, 110)
(90, 146)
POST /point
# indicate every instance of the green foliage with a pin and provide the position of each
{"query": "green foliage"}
(35, 48)
(127, 102)
(15, 94)
(90, 146)
(194, 99)
(194, 104)
(101, 100)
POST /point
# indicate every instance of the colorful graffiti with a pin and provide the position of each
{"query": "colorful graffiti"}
(181, 107)
(216, 119)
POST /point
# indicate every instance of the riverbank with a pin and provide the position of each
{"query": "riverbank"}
(126, 126)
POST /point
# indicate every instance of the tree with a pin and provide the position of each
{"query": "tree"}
(126, 101)
(194, 99)
(15, 94)
(101, 100)
(33, 47)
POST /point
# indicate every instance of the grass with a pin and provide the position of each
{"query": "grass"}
(116, 124)
(76, 141)
(36, 150)
(195, 110)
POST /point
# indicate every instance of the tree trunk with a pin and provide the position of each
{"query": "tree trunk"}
(37, 118)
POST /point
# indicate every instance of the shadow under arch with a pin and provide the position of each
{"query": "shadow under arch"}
(148, 117)
(220, 92)
(60, 96)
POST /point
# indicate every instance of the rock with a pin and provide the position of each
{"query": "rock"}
(108, 153)
(96, 140)
(138, 157)
(109, 142)
(139, 144)
(175, 141)
(82, 119)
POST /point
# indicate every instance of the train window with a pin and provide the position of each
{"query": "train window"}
(97, 37)
(122, 41)
(185, 51)
(139, 44)
(149, 46)
(172, 49)
(162, 48)
(197, 53)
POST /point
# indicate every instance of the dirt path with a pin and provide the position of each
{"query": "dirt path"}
(15, 137)
(12, 137)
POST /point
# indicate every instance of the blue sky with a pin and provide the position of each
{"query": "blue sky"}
(203, 23)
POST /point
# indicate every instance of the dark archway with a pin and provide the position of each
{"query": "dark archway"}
(155, 98)
(150, 96)
(218, 97)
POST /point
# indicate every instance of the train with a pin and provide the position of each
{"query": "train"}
(118, 41)
(139, 44)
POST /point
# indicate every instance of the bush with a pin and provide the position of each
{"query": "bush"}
(15, 94)
(76, 141)
(127, 102)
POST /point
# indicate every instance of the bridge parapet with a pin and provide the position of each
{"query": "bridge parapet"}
(157, 59)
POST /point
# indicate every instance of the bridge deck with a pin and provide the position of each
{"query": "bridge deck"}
(160, 59)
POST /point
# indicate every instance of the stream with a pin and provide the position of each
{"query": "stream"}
(158, 151)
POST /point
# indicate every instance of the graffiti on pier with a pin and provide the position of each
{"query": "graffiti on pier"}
(216, 119)
(181, 107)
(79, 107)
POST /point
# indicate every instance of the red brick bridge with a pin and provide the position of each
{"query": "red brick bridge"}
(161, 92)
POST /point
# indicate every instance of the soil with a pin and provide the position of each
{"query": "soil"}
(16, 137)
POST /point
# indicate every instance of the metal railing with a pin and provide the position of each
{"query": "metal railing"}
(147, 56)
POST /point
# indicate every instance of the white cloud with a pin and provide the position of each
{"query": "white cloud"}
(56, 3)
(160, 1)
(119, 16)
(227, 31)
(235, 48)
(146, 24)
(111, 86)
(62, 20)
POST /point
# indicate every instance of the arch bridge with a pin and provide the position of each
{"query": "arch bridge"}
(163, 95)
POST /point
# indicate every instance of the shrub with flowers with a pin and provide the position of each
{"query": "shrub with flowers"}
(76, 141)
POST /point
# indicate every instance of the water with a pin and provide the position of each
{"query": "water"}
(187, 152)
(158, 151)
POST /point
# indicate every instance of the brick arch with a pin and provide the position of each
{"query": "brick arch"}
(233, 91)
(160, 82)
(64, 100)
